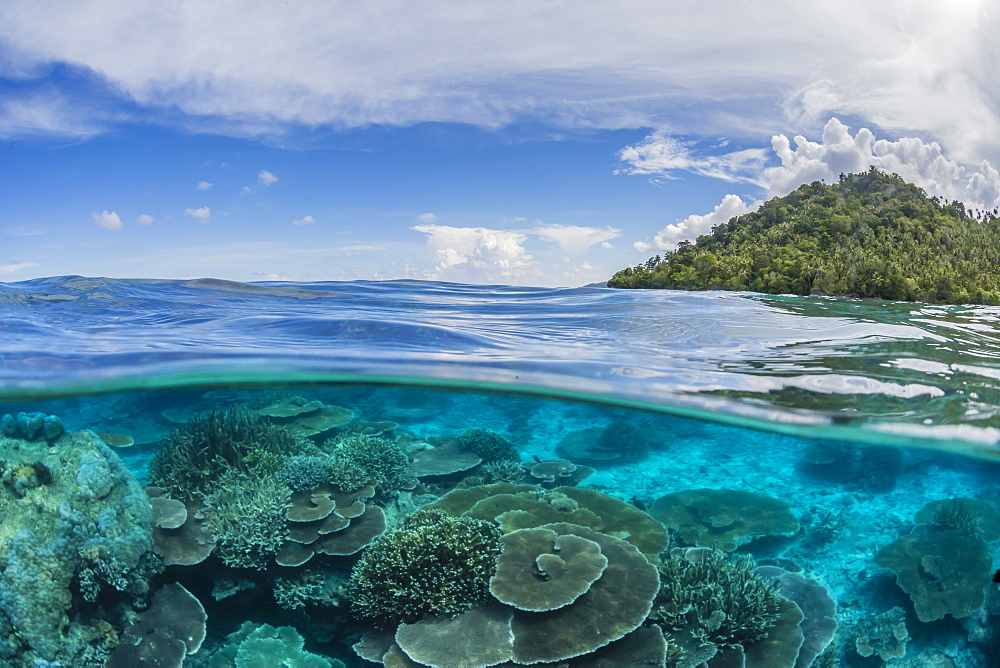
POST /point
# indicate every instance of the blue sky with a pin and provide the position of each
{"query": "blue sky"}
(520, 143)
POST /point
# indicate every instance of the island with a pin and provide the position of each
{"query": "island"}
(870, 235)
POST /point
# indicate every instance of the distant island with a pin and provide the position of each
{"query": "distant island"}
(869, 235)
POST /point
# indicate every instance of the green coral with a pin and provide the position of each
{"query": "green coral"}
(714, 600)
(360, 460)
(248, 519)
(430, 562)
(266, 646)
(492, 447)
(194, 457)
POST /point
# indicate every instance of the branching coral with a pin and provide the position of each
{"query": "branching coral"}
(490, 446)
(714, 600)
(248, 519)
(359, 460)
(429, 563)
(195, 456)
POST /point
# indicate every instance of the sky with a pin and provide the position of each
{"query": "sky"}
(524, 142)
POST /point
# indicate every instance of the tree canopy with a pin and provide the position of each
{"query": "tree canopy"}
(869, 235)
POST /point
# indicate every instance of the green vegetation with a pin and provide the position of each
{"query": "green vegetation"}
(870, 235)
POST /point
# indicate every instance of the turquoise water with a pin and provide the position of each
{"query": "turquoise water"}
(847, 447)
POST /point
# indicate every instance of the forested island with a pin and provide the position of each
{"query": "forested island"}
(869, 235)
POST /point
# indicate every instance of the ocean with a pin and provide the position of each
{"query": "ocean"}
(417, 473)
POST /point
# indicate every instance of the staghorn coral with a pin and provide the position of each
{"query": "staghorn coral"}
(304, 472)
(709, 602)
(197, 455)
(429, 563)
(248, 519)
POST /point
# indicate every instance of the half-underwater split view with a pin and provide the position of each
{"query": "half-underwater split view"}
(416, 474)
(465, 333)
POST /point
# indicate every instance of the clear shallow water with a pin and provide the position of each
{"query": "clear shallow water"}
(859, 369)
(852, 415)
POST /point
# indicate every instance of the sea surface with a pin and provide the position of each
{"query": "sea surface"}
(845, 453)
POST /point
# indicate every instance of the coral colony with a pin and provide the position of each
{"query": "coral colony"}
(358, 542)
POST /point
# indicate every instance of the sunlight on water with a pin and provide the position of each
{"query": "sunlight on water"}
(455, 475)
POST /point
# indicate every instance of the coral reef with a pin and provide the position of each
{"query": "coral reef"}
(266, 646)
(975, 515)
(360, 460)
(302, 472)
(194, 457)
(430, 562)
(86, 533)
(490, 446)
(723, 518)
(707, 602)
(31, 426)
(884, 635)
(164, 634)
(574, 623)
(514, 507)
(247, 519)
(944, 572)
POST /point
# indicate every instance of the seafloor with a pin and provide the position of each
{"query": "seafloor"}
(280, 527)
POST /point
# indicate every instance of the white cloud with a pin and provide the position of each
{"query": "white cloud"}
(427, 218)
(488, 254)
(46, 112)
(574, 239)
(144, 219)
(304, 220)
(107, 221)
(204, 185)
(662, 155)
(838, 151)
(201, 213)
(266, 178)
(7, 269)
(921, 162)
(678, 66)
(689, 228)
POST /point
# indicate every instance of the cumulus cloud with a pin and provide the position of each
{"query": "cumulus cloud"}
(202, 213)
(800, 160)
(304, 220)
(266, 178)
(204, 185)
(427, 218)
(916, 160)
(491, 254)
(574, 239)
(910, 65)
(107, 220)
(7, 269)
(689, 228)
(144, 219)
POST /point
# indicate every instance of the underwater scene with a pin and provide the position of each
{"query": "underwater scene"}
(205, 473)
